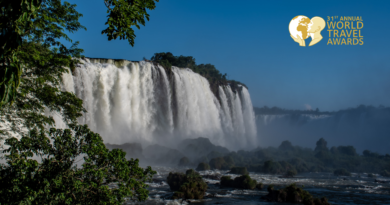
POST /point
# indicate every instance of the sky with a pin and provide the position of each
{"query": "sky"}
(250, 41)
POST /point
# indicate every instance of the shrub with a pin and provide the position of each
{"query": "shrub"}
(203, 166)
(260, 186)
(239, 170)
(187, 186)
(272, 167)
(341, 172)
(241, 182)
(294, 194)
(56, 180)
(291, 173)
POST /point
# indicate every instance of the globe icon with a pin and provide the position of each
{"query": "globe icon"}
(299, 26)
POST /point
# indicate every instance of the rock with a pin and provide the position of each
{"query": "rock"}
(187, 186)
(203, 166)
(341, 172)
(239, 170)
(293, 194)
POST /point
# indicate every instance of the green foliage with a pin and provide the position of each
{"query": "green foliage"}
(37, 21)
(347, 150)
(294, 194)
(239, 170)
(286, 146)
(321, 145)
(123, 15)
(104, 177)
(291, 173)
(273, 160)
(44, 22)
(216, 163)
(241, 182)
(187, 186)
(203, 166)
(33, 60)
(39, 91)
(214, 77)
(15, 19)
(260, 186)
(272, 167)
(341, 172)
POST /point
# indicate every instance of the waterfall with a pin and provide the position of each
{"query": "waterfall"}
(139, 101)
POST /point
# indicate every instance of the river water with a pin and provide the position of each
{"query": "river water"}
(357, 189)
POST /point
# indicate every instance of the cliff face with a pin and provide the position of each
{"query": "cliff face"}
(144, 102)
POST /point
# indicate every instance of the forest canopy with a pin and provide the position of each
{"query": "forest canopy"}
(209, 71)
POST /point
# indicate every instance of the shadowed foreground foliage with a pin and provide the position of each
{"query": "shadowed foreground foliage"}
(105, 177)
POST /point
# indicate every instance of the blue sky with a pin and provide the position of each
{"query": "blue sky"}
(250, 41)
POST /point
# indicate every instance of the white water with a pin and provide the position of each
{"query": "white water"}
(140, 102)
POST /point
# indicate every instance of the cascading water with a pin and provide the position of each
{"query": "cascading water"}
(138, 101)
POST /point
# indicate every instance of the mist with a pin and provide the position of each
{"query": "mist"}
(364, 127)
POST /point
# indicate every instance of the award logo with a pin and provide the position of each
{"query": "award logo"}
(301, 28)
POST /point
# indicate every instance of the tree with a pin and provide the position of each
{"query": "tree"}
(123, 14)
(15, 20)
(106, 177)
(321, 145)
(286, 146)
(44, 21)
(38, 59)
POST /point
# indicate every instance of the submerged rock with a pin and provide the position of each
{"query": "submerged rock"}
(293, 194)
(187, 186)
